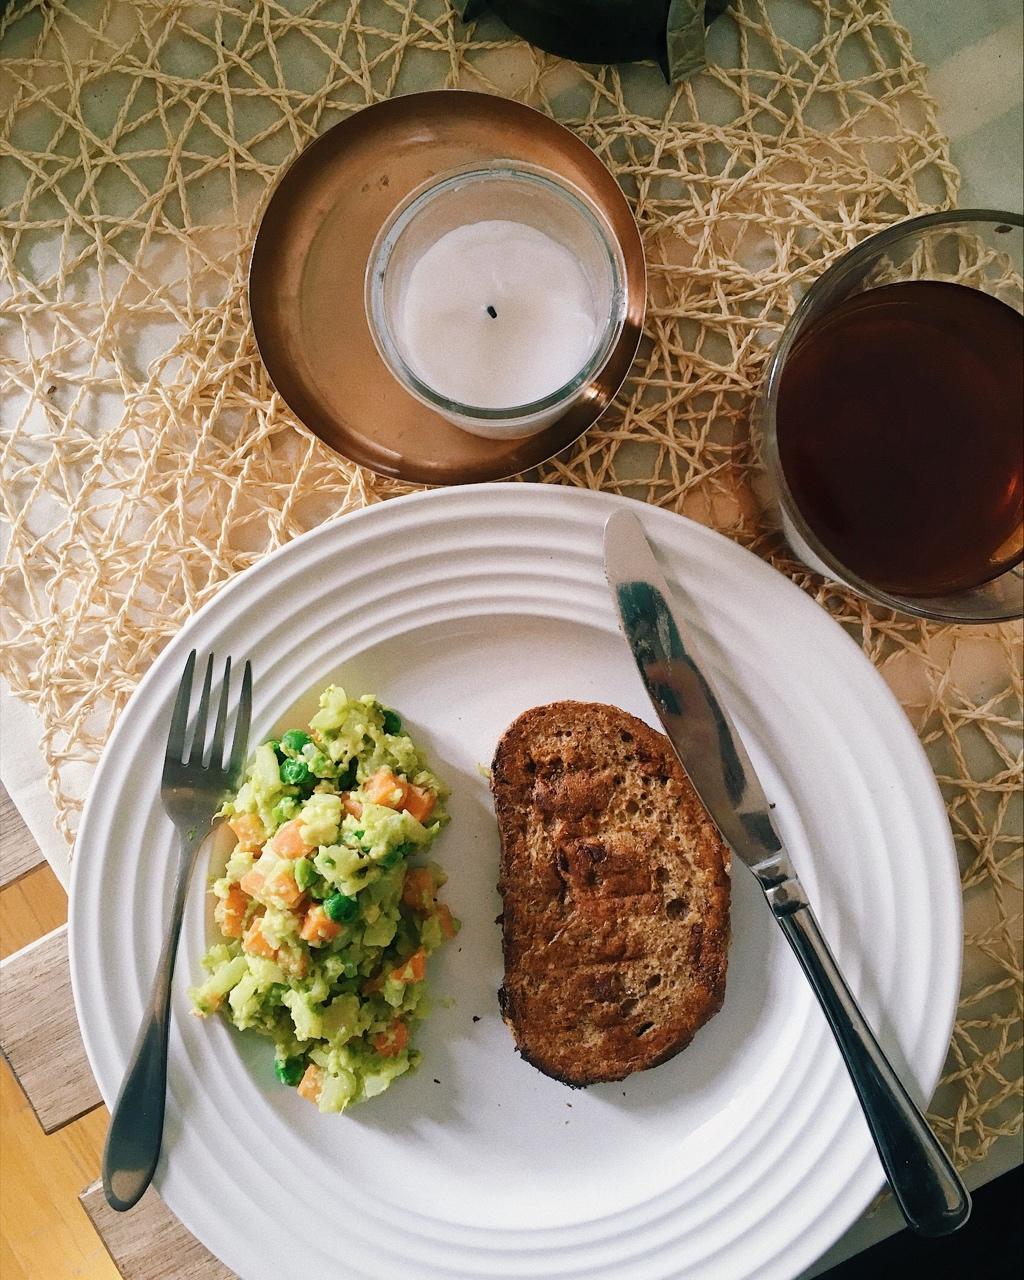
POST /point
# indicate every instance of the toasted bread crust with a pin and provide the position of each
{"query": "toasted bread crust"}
(615, 894)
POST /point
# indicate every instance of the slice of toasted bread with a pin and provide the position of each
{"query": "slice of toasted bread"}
(615, 894)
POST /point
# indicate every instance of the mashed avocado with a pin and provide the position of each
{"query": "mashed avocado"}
(326, 920)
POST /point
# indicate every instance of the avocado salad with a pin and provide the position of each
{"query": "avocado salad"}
(326, 908)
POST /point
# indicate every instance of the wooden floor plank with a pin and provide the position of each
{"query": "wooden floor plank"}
(39, 1032)
(34, 906)
(44, 1231)
(10, 1267)
(19, 853)
(146, 1236)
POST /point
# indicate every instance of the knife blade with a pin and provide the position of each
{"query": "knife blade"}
(696, 719)
(694, 716)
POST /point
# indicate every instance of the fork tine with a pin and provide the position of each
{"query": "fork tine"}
(179, 719)
(217, 747)
(240, 741)
(199, 736)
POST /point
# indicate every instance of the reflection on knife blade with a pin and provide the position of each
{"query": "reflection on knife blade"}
(692, 715)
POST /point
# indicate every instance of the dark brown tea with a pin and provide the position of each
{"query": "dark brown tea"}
(899, 424)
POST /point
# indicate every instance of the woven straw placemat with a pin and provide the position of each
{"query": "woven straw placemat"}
(146, 458)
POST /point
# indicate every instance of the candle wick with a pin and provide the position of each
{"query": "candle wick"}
(492, 313)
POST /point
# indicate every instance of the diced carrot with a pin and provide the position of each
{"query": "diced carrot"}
(444, 919)
(281, 887)
(419, 890)
(256, 944)
(419, 802)
(311, 1083)
(230, 912)
(318, 926)
(284, 889)
(386, 789)
(351, 805)
(393, 1041)
(288, 843)
(253, 882)
(249, 830)
(413, 970)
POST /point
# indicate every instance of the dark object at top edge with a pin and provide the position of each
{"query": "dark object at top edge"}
(609, 31)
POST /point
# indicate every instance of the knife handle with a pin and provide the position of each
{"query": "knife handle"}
(927, 1187)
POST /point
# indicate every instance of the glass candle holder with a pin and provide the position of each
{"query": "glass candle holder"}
(842, 460)
(495, 295)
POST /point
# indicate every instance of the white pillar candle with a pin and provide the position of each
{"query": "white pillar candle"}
(495, 296)
(496, 314)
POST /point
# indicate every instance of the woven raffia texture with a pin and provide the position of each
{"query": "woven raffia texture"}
(147, 458)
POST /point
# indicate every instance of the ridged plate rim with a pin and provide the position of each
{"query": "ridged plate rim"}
(524, 519)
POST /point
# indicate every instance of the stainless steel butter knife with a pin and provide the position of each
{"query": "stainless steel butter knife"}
(927, 1187)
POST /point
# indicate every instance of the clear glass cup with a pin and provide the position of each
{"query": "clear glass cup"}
(980, 248)
(508, 191)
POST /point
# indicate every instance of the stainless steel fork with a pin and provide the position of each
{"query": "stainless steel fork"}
(192, 789)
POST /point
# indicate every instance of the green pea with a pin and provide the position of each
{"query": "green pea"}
(341, 908)
(392, 721)
(394, 856)
(295, 772)
(273, 742)
(295, 740)
(305, 873)
(291, 1071)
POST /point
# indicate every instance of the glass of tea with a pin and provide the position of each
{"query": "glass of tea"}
(892, 418)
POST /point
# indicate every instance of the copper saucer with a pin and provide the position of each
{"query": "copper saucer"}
(309, 259)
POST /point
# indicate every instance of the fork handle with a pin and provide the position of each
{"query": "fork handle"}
(135, 1135)
(927, 1187)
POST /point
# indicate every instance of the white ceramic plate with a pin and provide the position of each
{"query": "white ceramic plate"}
(747, 1154)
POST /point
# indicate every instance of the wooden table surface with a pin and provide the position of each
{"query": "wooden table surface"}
(43, 1230)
